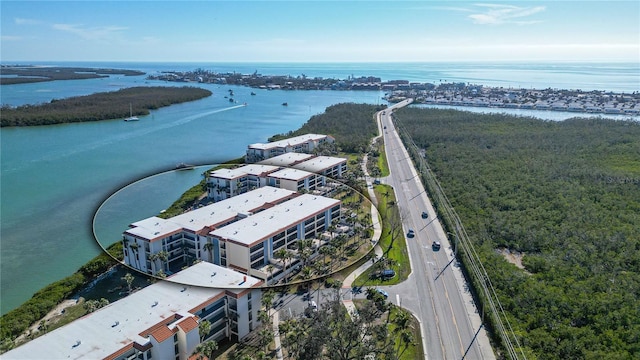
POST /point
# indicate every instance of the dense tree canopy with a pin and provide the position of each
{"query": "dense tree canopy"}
(31, 74)
(567, 195)
(352, 125)
(100, 106)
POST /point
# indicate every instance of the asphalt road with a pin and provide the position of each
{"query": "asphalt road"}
(435, 291)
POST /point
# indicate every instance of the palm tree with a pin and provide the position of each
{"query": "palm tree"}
(43, 326)
(209, 248)
(206, 349)
(265, 336)
(270, 271)
(288, 256)
(128, 278)
(204, 328)
(134, 248)
(324, 251)
(163, 256)
(281, 254)
(406, 338)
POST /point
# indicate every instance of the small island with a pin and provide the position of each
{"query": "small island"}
(22, 74)
(101, 106)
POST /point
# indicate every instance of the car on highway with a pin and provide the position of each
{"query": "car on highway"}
(435, 246)
(410, 233)
(425, 214)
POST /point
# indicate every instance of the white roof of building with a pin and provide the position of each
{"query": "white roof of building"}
(320, 163)
(290, 174)
(111, 328)
(251, 169)
(222, 211)
(213, 276)
(286, 159)
(272, 221)
(153, 227)
(288, 142)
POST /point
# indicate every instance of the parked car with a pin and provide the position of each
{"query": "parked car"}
(387, 273)
(382, 292)
(410, 233)
(425, 215)
(436, 245)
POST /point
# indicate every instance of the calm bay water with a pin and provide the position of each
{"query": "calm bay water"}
(53, 178)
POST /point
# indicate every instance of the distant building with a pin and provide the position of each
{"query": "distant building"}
(225, 183)
(159, 322)
(299, 144)
(329, 166)
(293, 171)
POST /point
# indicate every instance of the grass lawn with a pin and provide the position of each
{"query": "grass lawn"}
(392, 241)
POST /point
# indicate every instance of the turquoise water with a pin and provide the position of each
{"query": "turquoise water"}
(53, 178)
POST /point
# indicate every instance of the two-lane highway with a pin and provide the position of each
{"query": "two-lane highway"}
(435, 292)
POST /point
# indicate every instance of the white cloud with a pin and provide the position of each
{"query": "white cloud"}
(95, 33)
(496, 14)
(451, 8)
(11, 38)
(23, 21)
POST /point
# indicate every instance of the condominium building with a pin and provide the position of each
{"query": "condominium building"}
(287, 160)
(332, 167)
(240, 233)
(155, 244)
(295, 180)
(249, 245)
(293, 171)
(225, 183)
(299, 144)
(159, 322)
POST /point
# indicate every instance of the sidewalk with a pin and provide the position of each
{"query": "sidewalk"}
(377, 232)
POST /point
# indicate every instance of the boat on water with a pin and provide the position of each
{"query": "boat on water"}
(131, 117)
(285, 104)
(183, 166)
(231, 100)
(252, 93)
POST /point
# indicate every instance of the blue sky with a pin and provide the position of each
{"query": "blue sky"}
(320, 31)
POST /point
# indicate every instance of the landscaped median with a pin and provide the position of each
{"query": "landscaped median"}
(392, 242)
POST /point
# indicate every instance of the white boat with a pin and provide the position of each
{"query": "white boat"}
(131, 117)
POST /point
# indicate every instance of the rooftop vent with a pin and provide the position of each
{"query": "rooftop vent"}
(156, 233)
(155, 303)
(115, 324)
(78, 342)
(214, 274)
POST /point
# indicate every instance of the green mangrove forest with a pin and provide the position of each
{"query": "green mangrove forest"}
(22, 74)
(565, 198)
(100, 106)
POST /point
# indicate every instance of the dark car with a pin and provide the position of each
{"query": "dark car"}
(387, 273)
(410, 233)
(436, 245)
(425, 215)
